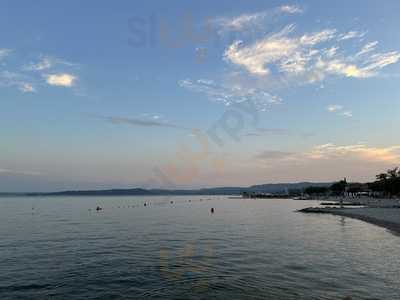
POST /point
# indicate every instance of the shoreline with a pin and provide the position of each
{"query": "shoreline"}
(388, 218)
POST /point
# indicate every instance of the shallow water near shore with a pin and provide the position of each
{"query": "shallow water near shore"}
(174, 248)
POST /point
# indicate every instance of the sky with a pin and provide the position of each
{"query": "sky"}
(184, 94)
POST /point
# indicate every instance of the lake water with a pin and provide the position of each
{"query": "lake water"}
(61, 248)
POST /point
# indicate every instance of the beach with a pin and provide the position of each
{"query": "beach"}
(385, 217)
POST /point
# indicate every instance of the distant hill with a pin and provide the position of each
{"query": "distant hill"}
(272, 188)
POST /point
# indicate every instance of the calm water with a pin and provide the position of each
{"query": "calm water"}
(61, 248)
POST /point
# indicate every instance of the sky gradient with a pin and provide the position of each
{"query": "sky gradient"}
(178, 94)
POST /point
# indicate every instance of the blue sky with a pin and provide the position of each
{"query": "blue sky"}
(97, 94)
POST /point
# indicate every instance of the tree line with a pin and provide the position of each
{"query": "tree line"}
(386, 184)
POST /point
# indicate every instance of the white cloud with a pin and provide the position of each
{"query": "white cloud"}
(368, 48)
(358, 151)
(27, 88)
(47, 62)
(269, 50)
(4, 52)
(291, 9)
(334, 153)
(229, 95)
(240, 22)
(334, 107)
(351, 35)
(44, 64)
(27, 77)
(12, 79)
(64, 79)
(255, 20)
(306, 58)
(318, 37)
(331, 52)
(380, 60)
(339, 109)
(347, 113)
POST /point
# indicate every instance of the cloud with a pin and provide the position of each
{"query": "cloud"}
(317, 37)
(4, 53)
(351, 35)
(268, 131)
(291, 9)
(252, 21)
(359, 151)
(368, 48)
(335, 153)
(63, 79)
(229, 95)
(139, 122)
(290, 55)
(380, 60)
(27, 88)
(47, 62)
(347, 114)
(240, 22)
(11, 79)
(306, 58)
(334, 107)
(44, 64)
(27, 77)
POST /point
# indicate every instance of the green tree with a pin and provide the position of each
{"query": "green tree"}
(316, 190)
(338, 188)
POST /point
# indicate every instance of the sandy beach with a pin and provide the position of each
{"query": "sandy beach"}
(385, 217)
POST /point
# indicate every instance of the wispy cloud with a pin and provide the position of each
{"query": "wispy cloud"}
(65, 80)
(347, 113)
(331, 152)
(11, 79)
(252, 21)
(29, 77)
(291, 9)
(334, 107)
(46, 62)
(268, 131)
(229, 95)
(27, 88)
(309, 57)
(368, 48)
(351, 35)
(339, 109)
(358, 151)
(4, 53)
(138, 122)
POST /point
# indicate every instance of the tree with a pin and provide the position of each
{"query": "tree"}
(355, 187)
(393, 173)
(388, 182)
(316, 190)
(338, 188)
(382, 176)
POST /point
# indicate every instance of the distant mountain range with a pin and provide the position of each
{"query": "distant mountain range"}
(272, 188)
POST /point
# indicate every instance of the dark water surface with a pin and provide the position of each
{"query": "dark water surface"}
(61, 248)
